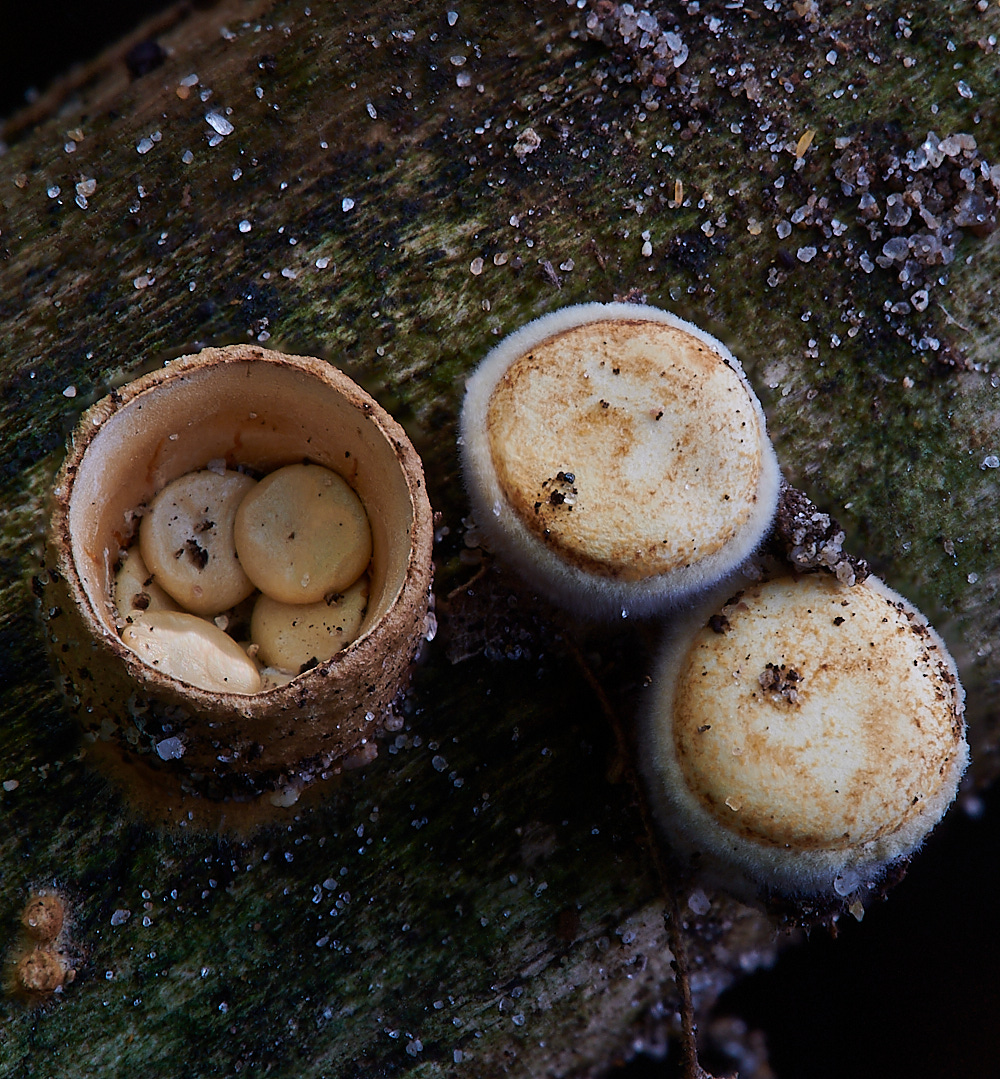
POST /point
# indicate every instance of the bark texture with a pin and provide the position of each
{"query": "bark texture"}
(392, 187)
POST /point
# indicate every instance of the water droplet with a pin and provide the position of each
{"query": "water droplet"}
(170, 749)
(699, 902)
(218, 123)
(846, 882)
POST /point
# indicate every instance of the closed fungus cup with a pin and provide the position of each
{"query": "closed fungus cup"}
(235, 414)
(617, 457)
(803, 736)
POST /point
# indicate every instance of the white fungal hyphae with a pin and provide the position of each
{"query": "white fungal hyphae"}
(618, 457)
(186, 540)
(302, 534)
(290, 636)
(193, 650)
(803, 736)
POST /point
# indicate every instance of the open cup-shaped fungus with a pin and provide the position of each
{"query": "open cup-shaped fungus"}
(803, 736)
(617, 456)
(149, 669)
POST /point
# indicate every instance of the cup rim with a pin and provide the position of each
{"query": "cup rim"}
(411, 594)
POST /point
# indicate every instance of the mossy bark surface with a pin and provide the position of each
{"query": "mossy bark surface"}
(392, 188)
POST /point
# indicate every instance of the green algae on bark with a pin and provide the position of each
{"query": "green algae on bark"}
(476, 899)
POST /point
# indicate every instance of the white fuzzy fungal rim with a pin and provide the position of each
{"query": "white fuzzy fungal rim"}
(803, 736)
(617, 456)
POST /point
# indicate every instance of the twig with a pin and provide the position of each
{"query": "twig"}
(682, 972)
(951, 320)
(466, 584)
(666, 878)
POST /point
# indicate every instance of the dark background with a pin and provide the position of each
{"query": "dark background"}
(42, 39)
(913, 992)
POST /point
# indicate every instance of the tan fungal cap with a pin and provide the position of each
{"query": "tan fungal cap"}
(186, 540)
(620, 450)
(291, 635)
(192, 649)
(806, 730)
(630, 447)
(303, 534)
